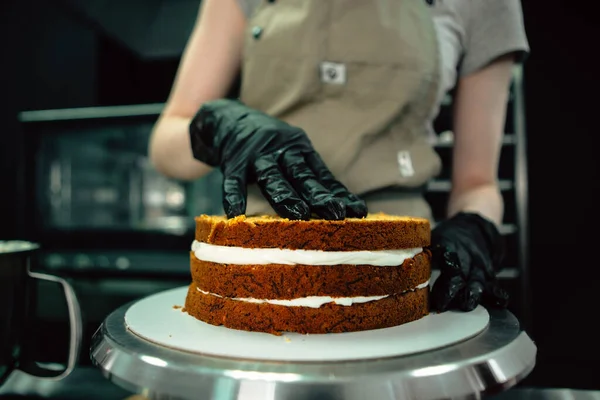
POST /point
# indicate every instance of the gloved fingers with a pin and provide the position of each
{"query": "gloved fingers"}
(202, 131)
(491, 294)
(494, 296)
(320, 200)
(355, 207)
(484, 290)
(482, 266)
(234, 193)
(278, 191)
(437, 256)
(494, 239)
(444, 291)
(470, 296)
(446, 261)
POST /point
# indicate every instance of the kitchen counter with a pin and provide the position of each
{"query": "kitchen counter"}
(88, 383)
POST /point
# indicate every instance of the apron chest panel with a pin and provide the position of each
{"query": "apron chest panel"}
(360, 77)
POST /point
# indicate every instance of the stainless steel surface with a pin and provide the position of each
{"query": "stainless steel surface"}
(75, 323)
(97, 177)
(491, 362)
(15, 312)
(88, 383)
(91, 173)
(85, 382)
(17, 246)
(535, 393)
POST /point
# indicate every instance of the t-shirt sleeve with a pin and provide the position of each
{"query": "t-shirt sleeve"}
(493, 28)
(248, 6)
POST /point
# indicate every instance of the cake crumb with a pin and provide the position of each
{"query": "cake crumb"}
(176, 307)
(287, 339)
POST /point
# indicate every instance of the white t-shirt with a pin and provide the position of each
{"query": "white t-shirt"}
(473, 33)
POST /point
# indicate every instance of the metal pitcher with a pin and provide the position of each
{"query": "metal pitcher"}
(16, 310)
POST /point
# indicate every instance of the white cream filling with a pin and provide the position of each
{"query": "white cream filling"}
(246, 256)
(315, 301)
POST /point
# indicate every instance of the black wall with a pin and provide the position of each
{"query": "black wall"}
(50, 60)
(562, 110)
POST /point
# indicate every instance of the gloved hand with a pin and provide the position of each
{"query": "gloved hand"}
(468, 250)
(250, 146)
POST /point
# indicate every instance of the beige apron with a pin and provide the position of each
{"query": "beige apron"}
(360, 77)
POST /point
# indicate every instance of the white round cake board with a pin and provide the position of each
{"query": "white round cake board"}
(158, 319)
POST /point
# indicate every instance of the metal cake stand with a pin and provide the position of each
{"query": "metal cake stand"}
(491, 362)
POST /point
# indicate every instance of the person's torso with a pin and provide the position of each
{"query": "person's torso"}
(360, 77)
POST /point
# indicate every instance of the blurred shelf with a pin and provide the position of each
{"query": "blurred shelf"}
(505, 229)
(509, 273)
(66, 114)
(506, 273)
(446, 140)
(444, 185)
(117, 262)
(508, 229)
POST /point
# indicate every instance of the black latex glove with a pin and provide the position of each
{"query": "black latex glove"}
(468, 250)
(250, 146)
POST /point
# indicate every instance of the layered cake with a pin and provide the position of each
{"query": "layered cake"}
(274, 275)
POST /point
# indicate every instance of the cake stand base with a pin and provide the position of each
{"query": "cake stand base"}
(493, 357)
(159, 319)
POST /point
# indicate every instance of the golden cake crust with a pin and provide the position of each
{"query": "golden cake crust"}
(293, 281)
(329, 318)
(375, 232)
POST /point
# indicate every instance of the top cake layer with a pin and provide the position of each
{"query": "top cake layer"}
(375, 232)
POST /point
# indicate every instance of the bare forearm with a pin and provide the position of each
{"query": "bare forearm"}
(209, 65)
(485, 200)
(170, 149)
(479, 115)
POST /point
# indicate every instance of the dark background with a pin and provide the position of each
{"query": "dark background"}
(54, 57)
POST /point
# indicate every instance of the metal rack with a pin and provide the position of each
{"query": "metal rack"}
(513, 184)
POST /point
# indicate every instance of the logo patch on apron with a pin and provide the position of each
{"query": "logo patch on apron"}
(405, 164)
(334, 73)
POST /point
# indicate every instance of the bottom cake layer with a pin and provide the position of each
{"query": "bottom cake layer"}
(329, 318)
